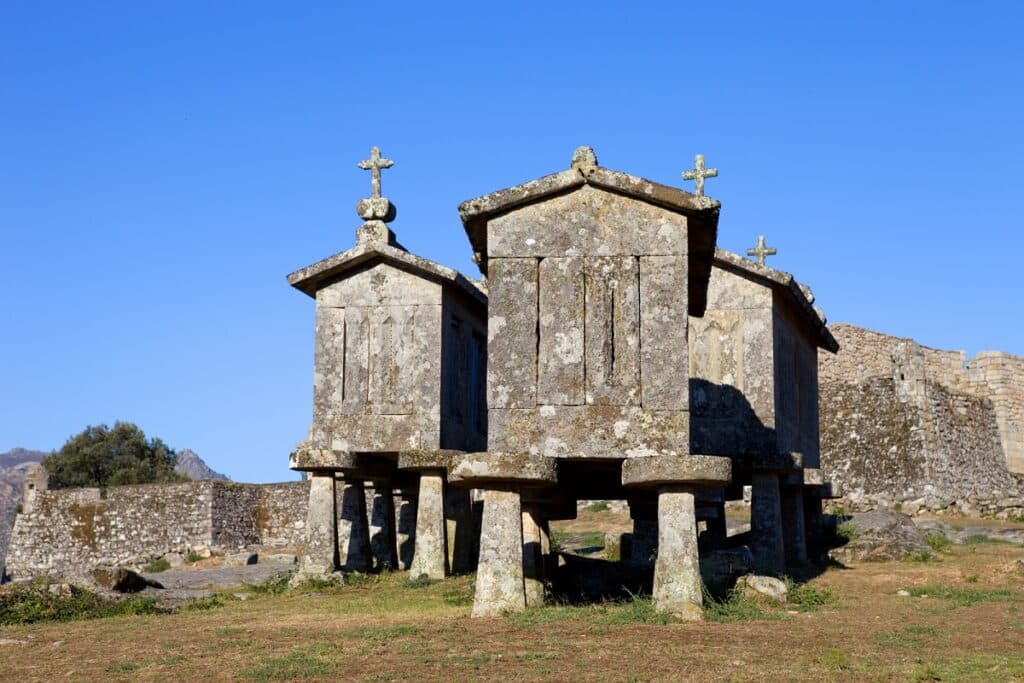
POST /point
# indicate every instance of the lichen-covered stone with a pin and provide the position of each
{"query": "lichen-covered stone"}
(354, 553)
(430, 556)
(693, 470)
(677, 581)
(479, 469)
(499, 576)
(320, 555)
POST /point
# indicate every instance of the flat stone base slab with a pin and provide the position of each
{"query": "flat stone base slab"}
(429, 459)
(690, 470)
(309, 458)
(480, 469)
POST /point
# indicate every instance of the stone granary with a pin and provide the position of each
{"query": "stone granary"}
(597, 386)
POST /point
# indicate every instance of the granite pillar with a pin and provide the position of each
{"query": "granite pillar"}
(353, 528)
(499, 576)
(320, 556)
(430, 554)
(766, 524)
(459, 524)
(794, 532)
(677, 582)
(533, 558)
(383, 547)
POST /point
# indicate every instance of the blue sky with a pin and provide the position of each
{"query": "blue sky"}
(164, 165)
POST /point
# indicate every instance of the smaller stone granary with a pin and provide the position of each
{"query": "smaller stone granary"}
(625, 358)
(754, 398)
(398, 373)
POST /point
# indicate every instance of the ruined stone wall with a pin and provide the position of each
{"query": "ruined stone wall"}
(902, 422)
(72, 530)
(998, 377)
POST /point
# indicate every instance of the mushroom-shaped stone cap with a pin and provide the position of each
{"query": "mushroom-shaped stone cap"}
(496, 468)
(306, 457)
(688, 470)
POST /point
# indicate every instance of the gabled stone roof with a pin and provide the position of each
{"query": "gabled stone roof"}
(314, 277)
(701, 213)
(802, 295)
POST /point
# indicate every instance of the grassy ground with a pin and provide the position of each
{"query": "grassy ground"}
(963, 620)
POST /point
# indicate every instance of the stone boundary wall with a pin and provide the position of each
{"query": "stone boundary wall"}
(72, 530)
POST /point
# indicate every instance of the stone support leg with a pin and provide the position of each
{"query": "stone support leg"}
(459, 518)
(383, 545)
(644, 546)
(794, 532)
(499, 575)
(814, 525)
(321, 552)
(677, 582)
(405, 528)
(430, 556)
(353, 528)
(766, 524)
(533, 558)
(717, 533)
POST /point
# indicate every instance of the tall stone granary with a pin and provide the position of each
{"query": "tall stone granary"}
(626, 358)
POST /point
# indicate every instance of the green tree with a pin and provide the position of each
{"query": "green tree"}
(103, 456)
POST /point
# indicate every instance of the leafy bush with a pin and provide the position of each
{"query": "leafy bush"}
(847, 531)
(37, 601)
(938, 542)
(599, 506)
(192, 557)
(157, 566)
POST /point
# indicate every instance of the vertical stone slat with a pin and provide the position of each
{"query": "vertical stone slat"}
(356, 360)
(612, 331)
(512, 333)
(560, 350)
(329, 359)
(664, 369)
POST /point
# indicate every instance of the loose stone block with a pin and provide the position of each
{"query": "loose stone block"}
(512, 334)
(500, 585)
(560, 347)
(677, 583)
(353, 528)
(320, 556)
(430, 556)
(766, 524)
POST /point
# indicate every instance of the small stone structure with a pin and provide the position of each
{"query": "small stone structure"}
(398, 389)
(625, 359)
(67, 532)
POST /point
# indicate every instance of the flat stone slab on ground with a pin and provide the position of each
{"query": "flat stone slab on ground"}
(215, 579)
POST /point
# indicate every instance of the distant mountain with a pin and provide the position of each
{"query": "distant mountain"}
(193, 467)
(16, 456)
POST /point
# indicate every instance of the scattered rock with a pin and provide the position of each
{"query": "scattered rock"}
(761, 587)
(121, 580)
(903, 594)
(882, 535)
(174, 559)
(282, 558)
(241, 559)
(12, 641)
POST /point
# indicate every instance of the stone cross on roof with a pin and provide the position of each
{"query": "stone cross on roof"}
(374, 165)
(761, 251)
(375, 210)
(699, 173)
